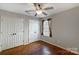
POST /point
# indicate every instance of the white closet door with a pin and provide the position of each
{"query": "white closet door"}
(34, 30)
(11, 32)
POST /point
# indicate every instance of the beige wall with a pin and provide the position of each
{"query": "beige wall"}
(65, 28)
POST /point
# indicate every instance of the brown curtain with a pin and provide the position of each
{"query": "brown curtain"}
(50, 28)
(41, 26)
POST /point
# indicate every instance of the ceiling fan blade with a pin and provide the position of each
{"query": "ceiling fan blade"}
(39, 5)
(29, 11)
(48, 8)
(35, 5)
(45, 13)
(36, 14)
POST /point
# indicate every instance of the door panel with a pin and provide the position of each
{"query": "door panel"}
(11, 32)
(33, 30)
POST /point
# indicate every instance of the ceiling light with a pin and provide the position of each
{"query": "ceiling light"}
(39, 11)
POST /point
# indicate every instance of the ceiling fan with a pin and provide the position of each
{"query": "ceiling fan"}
(39, 9)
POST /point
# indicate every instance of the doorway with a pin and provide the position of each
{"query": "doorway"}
(34, 30)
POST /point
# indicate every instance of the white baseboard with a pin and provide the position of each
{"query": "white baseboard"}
(60, 46)
(31, 42)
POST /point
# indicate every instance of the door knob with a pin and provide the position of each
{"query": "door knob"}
(14, 34)
(34, 32)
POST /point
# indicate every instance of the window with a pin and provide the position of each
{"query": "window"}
(46, 28)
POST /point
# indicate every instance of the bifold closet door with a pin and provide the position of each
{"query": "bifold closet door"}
(34, 30)
(11, 32)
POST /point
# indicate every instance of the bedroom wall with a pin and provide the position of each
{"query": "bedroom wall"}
(65, 29)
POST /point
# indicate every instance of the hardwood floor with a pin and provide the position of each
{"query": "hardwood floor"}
(37, 48)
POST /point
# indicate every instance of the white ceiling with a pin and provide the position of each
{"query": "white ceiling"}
(22, 7)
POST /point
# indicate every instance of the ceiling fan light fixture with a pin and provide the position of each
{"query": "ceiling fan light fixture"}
(39, 11)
